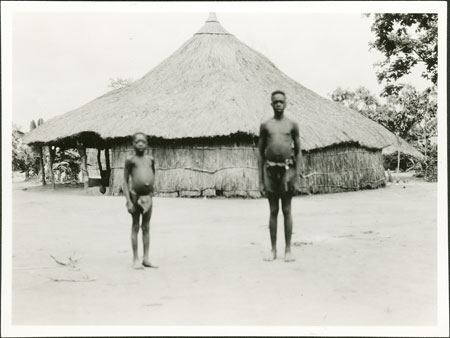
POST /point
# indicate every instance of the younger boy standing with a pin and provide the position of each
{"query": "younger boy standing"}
(140, 167)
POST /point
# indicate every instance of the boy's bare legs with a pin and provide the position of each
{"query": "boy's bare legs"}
(287, 214)
(146, 239)
(134, 240)
(274, 208)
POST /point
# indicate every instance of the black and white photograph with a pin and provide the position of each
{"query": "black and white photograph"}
(224, 168)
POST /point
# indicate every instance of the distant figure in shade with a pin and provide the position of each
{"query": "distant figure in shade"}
(141, 169)
(279, 168)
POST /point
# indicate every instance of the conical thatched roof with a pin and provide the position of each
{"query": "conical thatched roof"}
(213, 85)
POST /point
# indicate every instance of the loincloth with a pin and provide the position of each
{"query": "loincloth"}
(142, 203)
(280, 177)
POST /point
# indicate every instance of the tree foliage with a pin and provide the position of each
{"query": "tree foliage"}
(406, 40)
(23, 157)
(410, 114)
(68, 161)
(360, 100)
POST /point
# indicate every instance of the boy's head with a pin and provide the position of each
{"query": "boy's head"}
(278, 101)
(140, 142)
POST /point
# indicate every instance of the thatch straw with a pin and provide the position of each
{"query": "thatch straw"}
(213, 85)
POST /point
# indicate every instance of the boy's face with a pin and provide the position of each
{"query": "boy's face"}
(278, 103)
(140, 143)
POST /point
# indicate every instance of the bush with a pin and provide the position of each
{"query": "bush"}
(407, 162)
(67, 161)
(24, 159)
(428, 167)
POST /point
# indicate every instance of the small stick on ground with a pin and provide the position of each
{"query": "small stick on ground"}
(72, 262)
(58, 261)
(85, 279)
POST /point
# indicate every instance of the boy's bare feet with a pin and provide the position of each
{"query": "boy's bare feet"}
(288, 256)
(148, 264)
(137, 265)
(272, 256)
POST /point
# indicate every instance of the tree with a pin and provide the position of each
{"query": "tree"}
(23, 157)
(406, 40)
(410, 114)
(402, 114)
(410, 111)
(119, 83)
(424, 134)
(360, 100)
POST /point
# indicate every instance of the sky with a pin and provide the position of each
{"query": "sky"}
(62, 60)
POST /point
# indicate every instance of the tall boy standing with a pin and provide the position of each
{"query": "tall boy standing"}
(279, 168)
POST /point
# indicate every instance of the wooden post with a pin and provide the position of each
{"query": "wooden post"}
(99, 152)
(398, 158)
(103, 175)
(108, 169)
(108, 165)
(42, 165)
(51, 159)
(83, 167)
(425, 166)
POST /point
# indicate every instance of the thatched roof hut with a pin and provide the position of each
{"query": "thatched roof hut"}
(403, 147)
(203, 105)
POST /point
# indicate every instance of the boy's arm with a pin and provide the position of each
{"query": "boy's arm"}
(262, 142)
(153, 165)
(297, 149)
(126, 176)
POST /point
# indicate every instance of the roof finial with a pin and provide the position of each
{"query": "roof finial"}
(212, 26)
(212, 17)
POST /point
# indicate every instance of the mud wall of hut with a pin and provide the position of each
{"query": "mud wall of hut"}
(231, 170)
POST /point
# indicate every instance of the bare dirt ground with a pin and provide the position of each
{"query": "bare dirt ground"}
(363, 258)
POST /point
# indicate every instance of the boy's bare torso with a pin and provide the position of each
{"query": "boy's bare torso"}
(279, 138)
(142, 175)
